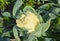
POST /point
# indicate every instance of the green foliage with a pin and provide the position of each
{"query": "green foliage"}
(48, 12)
(6, 34)
(59, 2)
(42, 28)
(1, 22)
(3, 3)
(58, 20)
(6, 14)
(16, 34)
(16, 7)
(1, 29)
(29, 2)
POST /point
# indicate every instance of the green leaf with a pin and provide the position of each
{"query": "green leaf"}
(7, 14)
(52, 16)
(56, 11)
(15, 32)
(16, 7)
(46, 26)
(37, 33)
(48, 39)
(42, 28)
(1, 22)
(29, 8)
(32, 38)
(46, 6)
(1, 29)
(6, 18)
(59, 2)
(18, 14)
(58, 20)
(6, 34)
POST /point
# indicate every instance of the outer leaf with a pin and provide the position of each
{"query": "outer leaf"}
(47, 6)
(46, 26)
(7, 14)
(1, 29)
(48, 39)
(18, 14)
(28, 8)
(16, 7)
(42, 28)
(7, 34)
(37, 33)
(32, 38)
(58, 20)
(1, 22)
(59, 2)
(56, 11)
(16, 33)
(52, 16)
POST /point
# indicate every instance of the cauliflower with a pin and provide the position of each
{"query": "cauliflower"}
(28, 21)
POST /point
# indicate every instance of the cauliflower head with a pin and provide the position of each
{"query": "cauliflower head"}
(28, 21)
